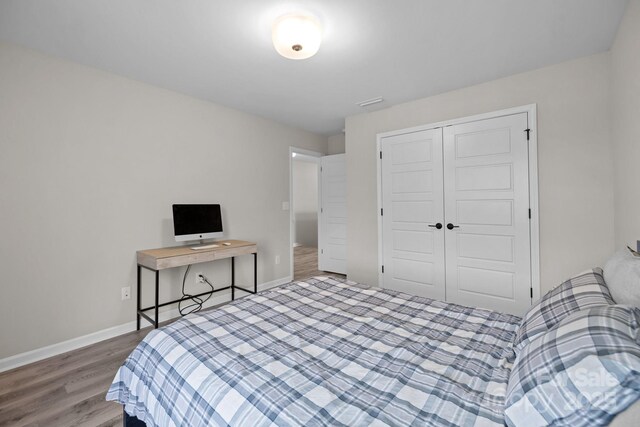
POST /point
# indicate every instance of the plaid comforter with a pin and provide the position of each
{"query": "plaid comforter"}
(322, 352)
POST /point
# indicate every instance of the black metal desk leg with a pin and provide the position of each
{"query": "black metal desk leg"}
(157, 296)
(233, 277)
(138, 297)
(255, 272)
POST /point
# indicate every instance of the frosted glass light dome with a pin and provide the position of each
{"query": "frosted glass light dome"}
(296, 36)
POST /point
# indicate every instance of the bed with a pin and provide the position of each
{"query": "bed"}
(324, 352)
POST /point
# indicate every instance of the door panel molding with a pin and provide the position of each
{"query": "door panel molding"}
(414, 251)
(483, 282)
(332, 230)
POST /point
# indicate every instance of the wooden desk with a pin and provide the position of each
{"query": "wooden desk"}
(179, 256)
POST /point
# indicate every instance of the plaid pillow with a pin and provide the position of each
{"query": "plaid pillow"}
(582, 373)
(583, 291)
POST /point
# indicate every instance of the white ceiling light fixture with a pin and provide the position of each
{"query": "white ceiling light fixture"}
(296, 36)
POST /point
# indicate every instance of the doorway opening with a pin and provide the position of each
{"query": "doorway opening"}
(304, 213)
(304, 196)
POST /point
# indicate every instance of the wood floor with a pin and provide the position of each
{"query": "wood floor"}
(305, 264)
(69, 389)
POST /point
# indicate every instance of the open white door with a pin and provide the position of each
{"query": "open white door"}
(412, 217)
(332, 227)
(486, 180)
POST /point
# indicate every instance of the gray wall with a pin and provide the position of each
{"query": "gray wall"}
(336, 144)
(90, 165)
(305, 203)
(575, 165)
(625, 113)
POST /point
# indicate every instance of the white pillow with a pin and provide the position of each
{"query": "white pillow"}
(622, 275)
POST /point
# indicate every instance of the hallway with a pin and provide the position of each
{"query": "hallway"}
(305, 264)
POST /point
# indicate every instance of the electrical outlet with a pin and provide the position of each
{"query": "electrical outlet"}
(199, 278)
(277, 259)
(126, 293)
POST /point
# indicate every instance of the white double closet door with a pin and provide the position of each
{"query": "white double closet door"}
(455, 219)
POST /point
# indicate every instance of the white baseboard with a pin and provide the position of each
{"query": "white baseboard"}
(38, 354)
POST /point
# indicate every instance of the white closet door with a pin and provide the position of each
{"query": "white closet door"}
(413, 249)
(332, 230)
(487, 197)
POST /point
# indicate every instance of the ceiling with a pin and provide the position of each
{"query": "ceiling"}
(221, 51)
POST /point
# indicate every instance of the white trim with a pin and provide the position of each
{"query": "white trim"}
(309, 156)
(534, 226)
(320, 214)
(379, 185)
(38, 354)
(304, 158)
(492, 115)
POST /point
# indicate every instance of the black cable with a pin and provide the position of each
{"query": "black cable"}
(197, 302)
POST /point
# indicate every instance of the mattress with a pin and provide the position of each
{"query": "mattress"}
(323, 352)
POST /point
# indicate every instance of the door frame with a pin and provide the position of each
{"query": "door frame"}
(309, 155)
(534, 224)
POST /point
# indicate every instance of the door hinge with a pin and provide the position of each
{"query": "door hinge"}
(322, 210)
(320, 168)
(380, 155)
(321, 251)
(531, 292)
(383, 268)
(528, 131)
(529, 213)
(381, 212)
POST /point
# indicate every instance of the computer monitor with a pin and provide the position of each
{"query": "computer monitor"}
(196, 222)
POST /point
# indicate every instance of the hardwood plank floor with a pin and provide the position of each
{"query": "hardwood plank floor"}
(69, 389)
(305, 264)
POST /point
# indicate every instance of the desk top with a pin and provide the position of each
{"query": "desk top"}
(177, 256)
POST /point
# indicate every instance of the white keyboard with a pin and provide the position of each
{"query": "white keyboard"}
(197, 248)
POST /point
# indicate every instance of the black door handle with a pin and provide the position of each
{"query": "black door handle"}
(451, 226)
(438, 226)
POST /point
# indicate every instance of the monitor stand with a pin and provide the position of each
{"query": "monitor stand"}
(204, 245)
(198, 248)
